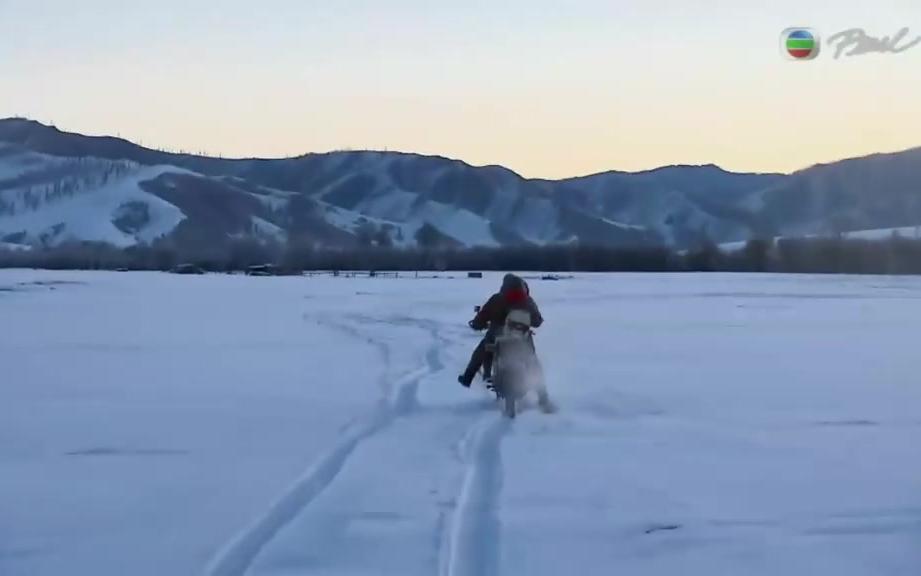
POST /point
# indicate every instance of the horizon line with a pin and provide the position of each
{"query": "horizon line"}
(348, 150)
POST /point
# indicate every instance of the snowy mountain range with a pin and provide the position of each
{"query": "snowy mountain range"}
(57, 186)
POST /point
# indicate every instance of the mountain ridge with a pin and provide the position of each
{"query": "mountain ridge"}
(48, 178)
(35, 124)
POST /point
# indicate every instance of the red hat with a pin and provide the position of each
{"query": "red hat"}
(516, 296)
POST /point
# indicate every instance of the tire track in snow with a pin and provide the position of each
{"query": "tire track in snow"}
(469, 538)
(351, 330)
(399, 398)
(406, 400)
(236, 557)
(472, 544)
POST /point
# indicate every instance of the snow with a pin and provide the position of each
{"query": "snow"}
(460, 224)
(395, 209)
(15, 162)
(907, 232)
(538, 221)
(885, 233)
(268, 229)
(271, 198)
(87, 215)
(391, 205)
(623, 226)
(732, 246)
(352, 221)
(13, 247)
(227, 425)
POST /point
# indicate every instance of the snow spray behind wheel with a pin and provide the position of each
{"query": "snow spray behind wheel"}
(516, 370)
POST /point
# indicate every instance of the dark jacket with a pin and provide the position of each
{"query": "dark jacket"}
(513, 295)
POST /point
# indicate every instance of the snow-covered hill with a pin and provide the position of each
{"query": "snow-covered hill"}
(47, 200)
(56, 186)
(877, 191)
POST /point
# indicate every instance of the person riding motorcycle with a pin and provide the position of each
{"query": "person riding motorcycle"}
(514, 294)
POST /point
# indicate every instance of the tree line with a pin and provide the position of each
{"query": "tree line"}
(895, 255)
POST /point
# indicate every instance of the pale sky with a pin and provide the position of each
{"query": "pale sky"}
(547, 88)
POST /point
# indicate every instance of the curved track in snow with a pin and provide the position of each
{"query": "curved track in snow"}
(468, 532)
(398, 399)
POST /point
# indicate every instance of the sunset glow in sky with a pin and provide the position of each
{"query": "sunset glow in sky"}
(547, 88)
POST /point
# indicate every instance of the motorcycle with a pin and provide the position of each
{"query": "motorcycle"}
(515, 369)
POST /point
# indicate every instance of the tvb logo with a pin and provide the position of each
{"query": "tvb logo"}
(800, 43)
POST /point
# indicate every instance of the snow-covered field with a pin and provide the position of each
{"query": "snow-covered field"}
(158, 425)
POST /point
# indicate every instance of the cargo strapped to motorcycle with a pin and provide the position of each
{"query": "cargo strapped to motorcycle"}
(519, 320)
